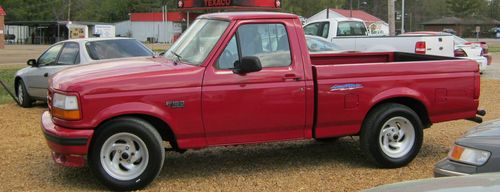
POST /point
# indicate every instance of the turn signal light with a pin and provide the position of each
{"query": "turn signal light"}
(66, 114)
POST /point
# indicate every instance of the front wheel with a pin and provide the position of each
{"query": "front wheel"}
(391, 135)
(23, 98)
(127, 154)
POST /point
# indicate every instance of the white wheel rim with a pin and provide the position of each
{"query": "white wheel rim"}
(20, 93)
(397, 137)
(124, 156)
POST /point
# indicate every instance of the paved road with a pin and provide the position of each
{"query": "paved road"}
(493, 71)
(19, 54)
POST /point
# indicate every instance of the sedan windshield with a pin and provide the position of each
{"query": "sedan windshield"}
(116, 48)
(197, 42)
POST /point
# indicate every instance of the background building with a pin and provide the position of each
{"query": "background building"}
(49, 32)
(462, 27)
(2, 37)
(154, 27)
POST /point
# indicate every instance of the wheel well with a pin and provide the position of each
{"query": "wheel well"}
(414, 104)
(163, 128)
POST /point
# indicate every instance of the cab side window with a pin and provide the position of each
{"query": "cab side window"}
(50, 56)
(229, 56)
(268, 42)
(351, 28)
(312, 29)
(70, 54)
(320, 29)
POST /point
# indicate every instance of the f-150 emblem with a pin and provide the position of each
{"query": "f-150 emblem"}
(345, 87)
(175, 104)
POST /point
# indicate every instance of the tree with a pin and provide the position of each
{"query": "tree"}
(465, 8)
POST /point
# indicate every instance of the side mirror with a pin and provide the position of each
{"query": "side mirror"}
(247, 64)
(32, 62)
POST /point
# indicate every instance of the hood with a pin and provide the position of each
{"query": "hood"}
(487, 129)
(126, 75)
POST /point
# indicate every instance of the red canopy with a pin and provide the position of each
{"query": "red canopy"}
(2, 12)
(357, 14)
(229, 4)
(170, 16)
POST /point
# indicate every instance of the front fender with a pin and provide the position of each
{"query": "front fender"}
(132, 108)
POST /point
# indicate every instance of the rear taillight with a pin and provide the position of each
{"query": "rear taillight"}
(477, 86)
(485, 47)
(460, 53)
(420, 47)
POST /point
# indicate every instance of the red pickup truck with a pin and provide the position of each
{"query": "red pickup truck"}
(240, 78)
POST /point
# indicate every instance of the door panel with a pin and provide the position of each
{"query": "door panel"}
(261, 106)
(55, 59)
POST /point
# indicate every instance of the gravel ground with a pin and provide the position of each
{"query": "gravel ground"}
(284, 166)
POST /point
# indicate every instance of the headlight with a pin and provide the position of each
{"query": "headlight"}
(469, 155)
(65, 107)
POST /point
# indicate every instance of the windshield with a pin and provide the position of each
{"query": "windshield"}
(458, 40)
(197, 42)
(116, 48)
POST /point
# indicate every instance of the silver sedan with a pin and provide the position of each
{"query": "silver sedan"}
(31, 83)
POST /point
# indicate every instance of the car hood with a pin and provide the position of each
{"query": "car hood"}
(479, 182)
(487, 129)
(126, 75)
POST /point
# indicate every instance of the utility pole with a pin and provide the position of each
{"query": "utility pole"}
(391, 17)
(69, 10)
(351, 9)
(403, 17)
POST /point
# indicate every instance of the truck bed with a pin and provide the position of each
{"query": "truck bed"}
(349, 84)
(371, 57)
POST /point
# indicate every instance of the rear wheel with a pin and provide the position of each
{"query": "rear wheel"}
(391, 135)
(127, 154)
(24, 100)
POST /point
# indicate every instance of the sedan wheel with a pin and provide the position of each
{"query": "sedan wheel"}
(23, 98)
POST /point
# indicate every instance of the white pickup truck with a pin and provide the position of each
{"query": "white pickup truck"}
(351, 34)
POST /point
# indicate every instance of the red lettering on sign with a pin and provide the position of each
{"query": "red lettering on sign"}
(217, 3)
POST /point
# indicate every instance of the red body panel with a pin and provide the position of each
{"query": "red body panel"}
(331, 95)
(447, 91)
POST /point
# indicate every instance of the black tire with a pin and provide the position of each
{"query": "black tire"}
(23, 98)
(129, 126)
(371, 141)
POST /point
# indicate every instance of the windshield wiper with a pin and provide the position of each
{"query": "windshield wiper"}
(178, 57)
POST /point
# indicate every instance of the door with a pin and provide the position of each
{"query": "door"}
(53, 60)
(260, 106)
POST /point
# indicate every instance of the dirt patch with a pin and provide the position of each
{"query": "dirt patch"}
(284, 166)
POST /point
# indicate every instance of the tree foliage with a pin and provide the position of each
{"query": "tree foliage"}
(465, 8)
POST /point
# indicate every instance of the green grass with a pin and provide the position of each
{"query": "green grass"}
(494, 49)
(7, 76)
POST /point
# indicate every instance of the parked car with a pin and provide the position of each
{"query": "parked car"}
(247, 77)
(350, 34)
(478, 151)
(487, 182)
(319, 44)
(463, 48)
(31, 83)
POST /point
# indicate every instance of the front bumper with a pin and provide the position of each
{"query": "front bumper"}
(446, 168)
(69, 146)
